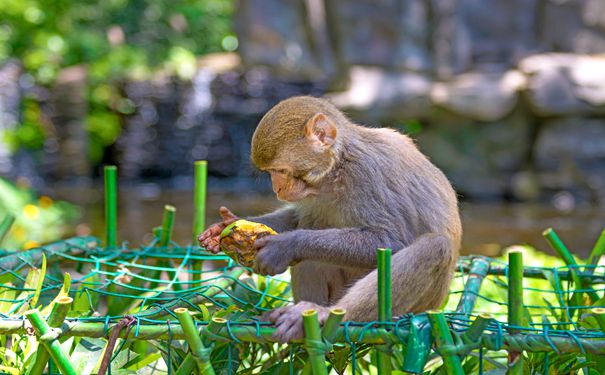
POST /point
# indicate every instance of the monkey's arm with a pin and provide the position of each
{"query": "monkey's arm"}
(281, 220)
(354, 247)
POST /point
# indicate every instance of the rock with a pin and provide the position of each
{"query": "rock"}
(68, 109)
(275, 34)
(480, 96)
(500, 31)
(565, 84)
(570, 155)
(392, 34)
(450, 42)
(381, 94)
(479, 158)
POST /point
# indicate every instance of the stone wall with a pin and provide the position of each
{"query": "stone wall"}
(507, 96)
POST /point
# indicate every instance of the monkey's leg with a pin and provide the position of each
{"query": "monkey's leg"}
(420, 275)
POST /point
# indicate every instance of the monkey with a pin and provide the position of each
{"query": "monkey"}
(348, 190)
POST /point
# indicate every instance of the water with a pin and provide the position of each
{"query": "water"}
(488, 227)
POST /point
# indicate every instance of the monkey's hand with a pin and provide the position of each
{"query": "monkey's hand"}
(289, 322)
(275, 253)
(211, 237)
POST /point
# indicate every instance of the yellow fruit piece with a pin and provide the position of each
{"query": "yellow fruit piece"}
(238, 238)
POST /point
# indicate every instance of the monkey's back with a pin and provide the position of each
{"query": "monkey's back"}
(385, 183)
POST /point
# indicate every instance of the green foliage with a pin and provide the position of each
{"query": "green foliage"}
(115, 40)
(37, 219)
(113, 37)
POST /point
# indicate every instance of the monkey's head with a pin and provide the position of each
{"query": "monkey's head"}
(297, 142)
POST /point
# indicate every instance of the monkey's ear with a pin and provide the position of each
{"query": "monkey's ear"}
(321, 129)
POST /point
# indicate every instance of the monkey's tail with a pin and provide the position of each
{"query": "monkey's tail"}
(420, 275)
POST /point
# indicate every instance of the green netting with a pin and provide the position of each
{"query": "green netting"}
(80, 306)
(148, 283)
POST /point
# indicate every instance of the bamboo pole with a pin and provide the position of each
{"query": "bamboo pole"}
(51, 344)
(529, 272)
(199, 206)
(477, 272)
(199, 197)
(531, 342)
(419, 344)
(555, 242)
(443, 338)
(111, 205)
(597, 251)
(167, 225)
(111, 222)
(55, 320)
(383, 257)
(6, 225)
(317, 357)
(330, 327)
(515, 306)
(164, 241)
(474, 332)
(192, 336)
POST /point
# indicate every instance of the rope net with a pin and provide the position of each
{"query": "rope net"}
(137, 293)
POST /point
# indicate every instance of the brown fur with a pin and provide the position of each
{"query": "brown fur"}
(376, 190)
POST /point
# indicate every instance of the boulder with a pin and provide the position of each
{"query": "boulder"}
(479, 158)
(570, 155)
(480, 96)
(565, 84)
(385, 94)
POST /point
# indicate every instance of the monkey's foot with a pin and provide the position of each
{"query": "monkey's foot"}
(289, 322)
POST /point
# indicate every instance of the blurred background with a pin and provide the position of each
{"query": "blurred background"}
(506, 96)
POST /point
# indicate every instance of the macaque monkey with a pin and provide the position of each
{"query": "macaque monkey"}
(348, 191)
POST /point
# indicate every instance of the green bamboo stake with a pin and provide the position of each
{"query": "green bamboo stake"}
(199, 197)
(199, 205)
(384, 305)
(211, 332)
(443, 339)
(55, 320)
(50, 343)
(330, 327)
(192, 336)
(480, 324)
(6, 225)
(515, 304)
(110, 174)
(165, 236)
(419, 344)
(313, 342)
(111, 205)
(167, 225)
(328, 332)
(478, 270)
(597, 251)
(372, 336)
(555, 242)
